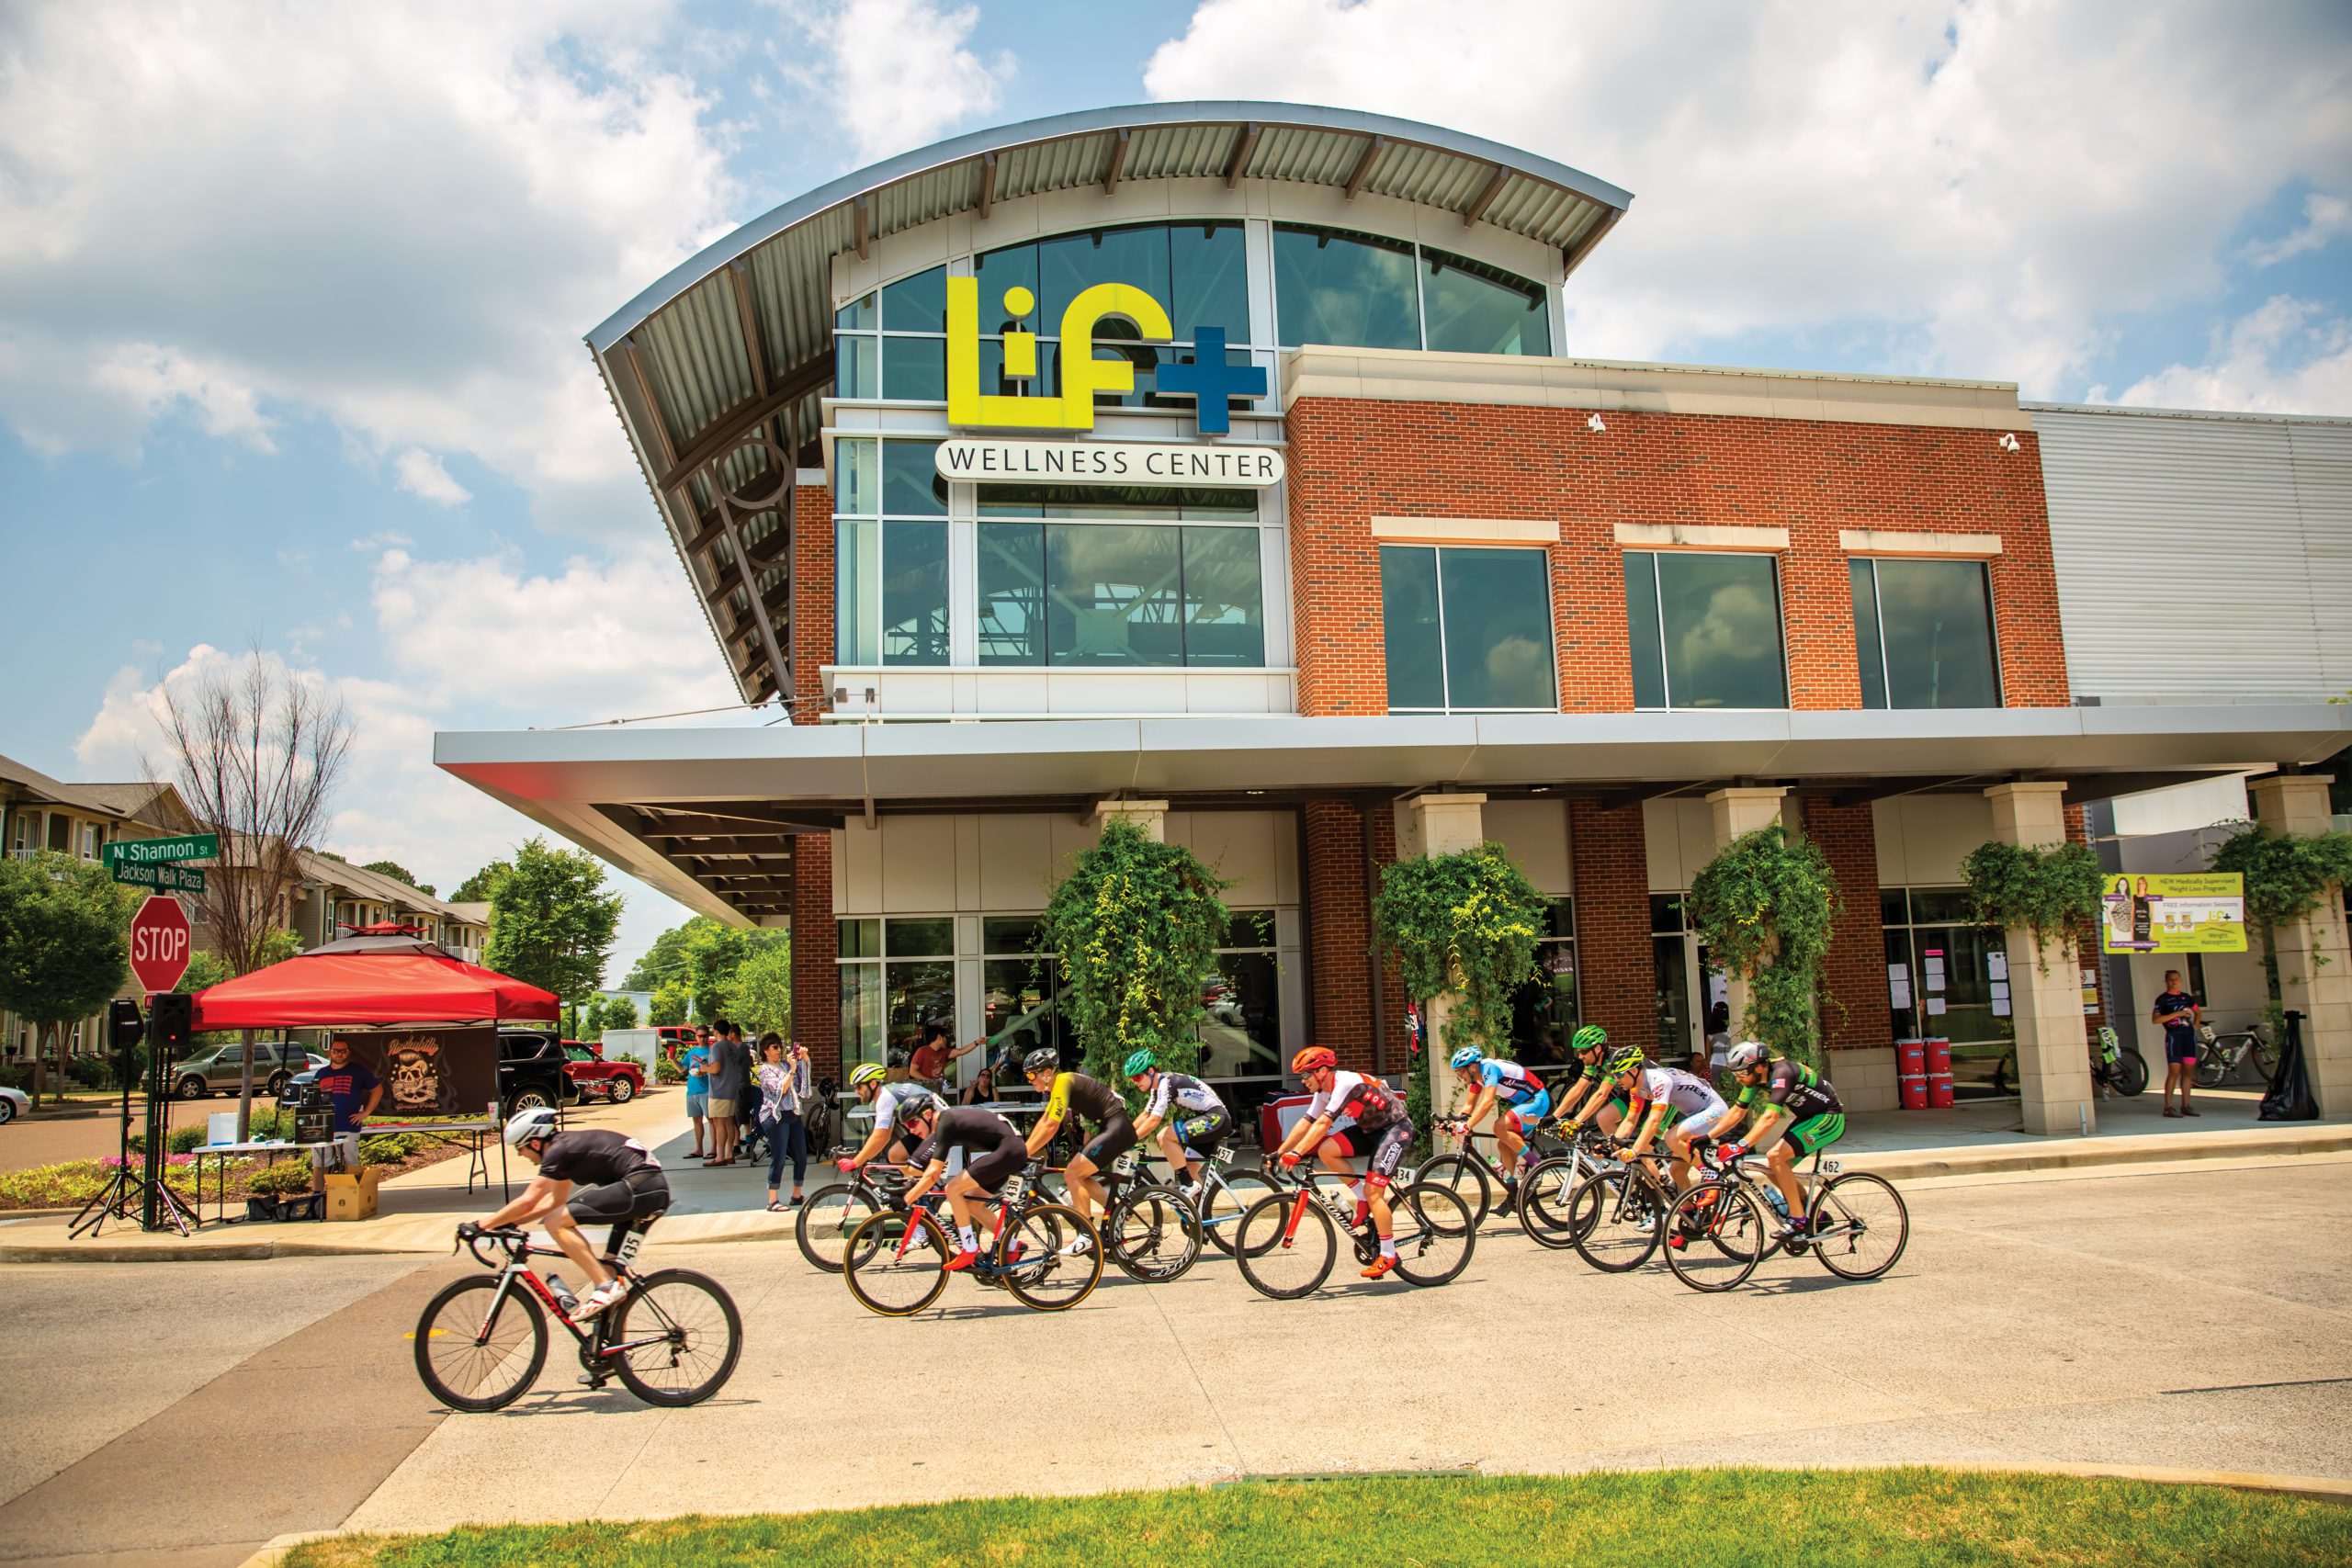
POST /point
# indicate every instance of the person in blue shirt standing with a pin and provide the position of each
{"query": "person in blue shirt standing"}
(2178, 1010)
(353, 1092)
(696, 1061)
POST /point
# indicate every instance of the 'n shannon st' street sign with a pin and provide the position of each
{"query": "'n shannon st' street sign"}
(161, 851)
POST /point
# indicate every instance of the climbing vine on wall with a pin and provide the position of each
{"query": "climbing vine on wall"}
(1765, 907)
(1136, 925)
(2286, 874)
(2053, 893)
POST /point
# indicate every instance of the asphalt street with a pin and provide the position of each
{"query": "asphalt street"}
(2184, 1317)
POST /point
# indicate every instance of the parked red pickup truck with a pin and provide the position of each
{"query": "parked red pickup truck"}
(596, 1079)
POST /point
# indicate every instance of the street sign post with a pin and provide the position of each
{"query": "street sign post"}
(160, 942)
(161, 851)
(162, 878)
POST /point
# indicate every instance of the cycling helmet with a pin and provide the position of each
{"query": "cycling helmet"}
(539, 1121)
(1044, 1059)
(1140, 1063)
(1468, 1056)
(1744, 1055)
(865, 1072)
(1314, 1058)
(914, 1105)
(1624, 1060)
(1592, 1037)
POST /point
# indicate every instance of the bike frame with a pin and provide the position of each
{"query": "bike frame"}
(519, 1252)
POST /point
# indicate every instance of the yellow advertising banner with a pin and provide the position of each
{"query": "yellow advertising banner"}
(2200, 913)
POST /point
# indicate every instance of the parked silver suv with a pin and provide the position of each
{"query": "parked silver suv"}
(222, 1068)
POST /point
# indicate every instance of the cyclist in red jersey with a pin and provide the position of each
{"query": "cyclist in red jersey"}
(1353, 1114)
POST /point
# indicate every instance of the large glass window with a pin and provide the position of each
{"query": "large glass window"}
(889, 553)
(1947, 977)
(1705, 630)
(1242, 1036)
(1923, 634)
(1472, 308)
(896, 977)
(1364, 291)
(1544, 1011)
(893, 344)
(1468, 628)
(1019, 999)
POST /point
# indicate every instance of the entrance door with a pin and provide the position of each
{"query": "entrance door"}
(1687, 984)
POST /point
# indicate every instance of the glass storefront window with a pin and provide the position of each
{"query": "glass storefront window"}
(1208, 265)
(1715, 621)
(1544, 1013)
(1472, 308)
(897, 974)
(1923, 634)
(924, 937)
(1120, 595)
(1242, 1035)
(1224, 623)
(1197, 270)
(1349, 290)
(1940, 978)
(1013, 593)
(857, 574)
(914, 369)
(914, 594)
(912, 483)
(890, 593)
(1491, 645)
(1068, 264)
(1112, 595)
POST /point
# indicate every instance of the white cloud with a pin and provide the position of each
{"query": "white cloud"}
(1972, 186)
(399, 217)
(2325, 218)
(897, 73)
(2289, 357)
(421, 474)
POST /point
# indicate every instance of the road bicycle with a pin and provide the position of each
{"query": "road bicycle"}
(2220, 1056)
(672, 1339)
(1150, 1227)
(1616, 1216)
(896, 1262)
(1289, 1239)
(1470, 1174)
(822, 1226)
(1547, 1187)
(1856, 1225)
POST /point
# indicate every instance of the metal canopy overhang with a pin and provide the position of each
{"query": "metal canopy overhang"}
(572, 781)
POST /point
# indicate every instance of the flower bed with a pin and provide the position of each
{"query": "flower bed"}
(71, 1183)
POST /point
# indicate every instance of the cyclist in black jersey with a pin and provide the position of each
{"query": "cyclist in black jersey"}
(1099, 1106)
(993, 1153)
(622, 1185)
(1794, 1113)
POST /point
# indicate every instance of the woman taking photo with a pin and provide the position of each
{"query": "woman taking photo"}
(783, 1078)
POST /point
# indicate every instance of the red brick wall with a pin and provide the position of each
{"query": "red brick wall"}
(1353, 459)
(812, 604)
(816, 983)
(1618, 977)
(1855, 974)
(1339, 936)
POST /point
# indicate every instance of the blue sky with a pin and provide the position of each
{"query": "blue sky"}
(289, 334)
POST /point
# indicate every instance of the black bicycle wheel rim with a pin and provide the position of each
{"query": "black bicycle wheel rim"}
(893, 1280)
(1221, 1223)
(1613, 1229)
(1544, 1194)
(1725, 1236)
(1286, 1268)
(1049, 1279)
(1872, 1224)
(691, 1334)
(464, 1375)
(823, 1225)
(2266, 1058)
(1433, 1245)
(2213, 1067)
(1461, 1175)
(1152, 1234)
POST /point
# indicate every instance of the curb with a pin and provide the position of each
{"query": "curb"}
(2077, 1154)
(273, 1551)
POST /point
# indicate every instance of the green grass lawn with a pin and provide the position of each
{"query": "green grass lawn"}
(1750, 1518)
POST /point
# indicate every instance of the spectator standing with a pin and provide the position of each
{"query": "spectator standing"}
(2178, 1011)
(1716, 1060)
(353, 1092)
(981, 1091)
(784, 1088)
(929, 1063)
(698, 1065)
(730, 1085)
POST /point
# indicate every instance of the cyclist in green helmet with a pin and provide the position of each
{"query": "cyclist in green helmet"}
(1189, 1119)
(1591, 1097)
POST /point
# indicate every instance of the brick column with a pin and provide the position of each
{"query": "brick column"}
(1339, 932)
(1857, 1020)
(2315, 959)
(1738, 811)
(812, 605)
(1617, 976)
(2053, 1054)
(816, 982)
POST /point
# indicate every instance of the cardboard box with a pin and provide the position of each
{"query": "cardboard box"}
(353, 1197)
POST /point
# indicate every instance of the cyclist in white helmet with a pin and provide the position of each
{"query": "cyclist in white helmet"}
(622, 1186)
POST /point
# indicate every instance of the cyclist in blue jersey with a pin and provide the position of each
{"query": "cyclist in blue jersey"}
(1517, 1098)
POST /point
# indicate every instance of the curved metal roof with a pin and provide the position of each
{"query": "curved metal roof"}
(720, 369)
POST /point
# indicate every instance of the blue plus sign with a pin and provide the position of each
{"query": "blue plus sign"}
(1208, 381)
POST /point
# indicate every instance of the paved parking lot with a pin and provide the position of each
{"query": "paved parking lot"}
(2196, 1317)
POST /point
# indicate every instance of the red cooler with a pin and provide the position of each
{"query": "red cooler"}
(1939, 1074)
(1911, 1073)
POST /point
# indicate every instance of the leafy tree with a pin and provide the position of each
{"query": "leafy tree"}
(669, 1003)
(399, 873)
(619, 1012)
(714, 951)
(551, 922)
(664, 961)
(476, 889)
(760, 996)
(588, 1020)
(64, 948)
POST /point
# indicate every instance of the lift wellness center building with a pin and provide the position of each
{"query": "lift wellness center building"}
(1223, 467)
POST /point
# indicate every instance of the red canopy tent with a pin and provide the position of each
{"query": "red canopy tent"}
(370, 979)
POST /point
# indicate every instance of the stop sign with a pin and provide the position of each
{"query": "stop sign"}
(159, 943)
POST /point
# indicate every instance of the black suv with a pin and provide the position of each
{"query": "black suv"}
(530, 1073)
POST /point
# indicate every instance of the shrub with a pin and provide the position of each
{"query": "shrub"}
(287, 1178)
(668, 1071)
(89, 1072)
(16, 1076)
(178, 1141)
(2050, 894)
(390, 1149)
(269, 1124)
(1765, 906)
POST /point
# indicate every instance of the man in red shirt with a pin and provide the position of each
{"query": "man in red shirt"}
(929, 1063)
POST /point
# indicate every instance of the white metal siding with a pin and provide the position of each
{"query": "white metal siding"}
(2202, 558)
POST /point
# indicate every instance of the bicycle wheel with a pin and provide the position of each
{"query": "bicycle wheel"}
(2005, 1073)
(679, 1338)
(2213, 1067)
(1151, 1234)
(2264, 1057)
(1858, 1226)
(1228, 1199)
(1715, 1235)
(477, 1350)
(1614, 1222)
(1434, 1232)
(2133, 1070)
(1461, 1175)
(823, 1225)
(1280, 1260)
(1048, 1277)
(889, 1278)
(1543, 1202)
